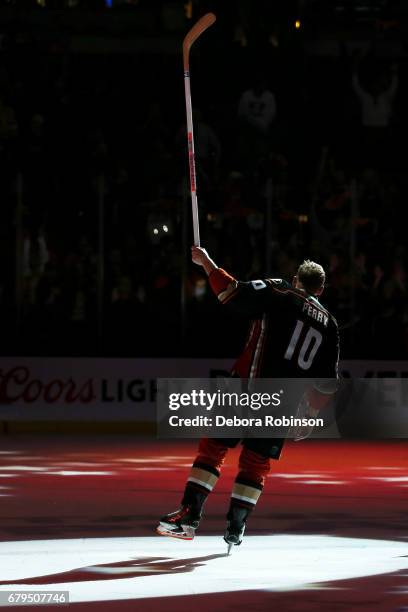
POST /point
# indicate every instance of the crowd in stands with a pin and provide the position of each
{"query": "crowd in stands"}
(306, 166)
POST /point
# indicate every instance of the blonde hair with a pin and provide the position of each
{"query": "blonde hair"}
(311, 275)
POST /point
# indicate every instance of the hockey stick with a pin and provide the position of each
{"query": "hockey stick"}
(202, 24)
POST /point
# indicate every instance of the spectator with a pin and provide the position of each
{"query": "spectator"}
(376, 102)
(257, 106)
(376, 105)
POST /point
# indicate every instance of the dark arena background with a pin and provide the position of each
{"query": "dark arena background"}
(300, 127)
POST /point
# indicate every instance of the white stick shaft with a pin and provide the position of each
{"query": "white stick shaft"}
(191, 159)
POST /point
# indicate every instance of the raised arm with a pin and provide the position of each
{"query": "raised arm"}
(248, 298)
(360, 92)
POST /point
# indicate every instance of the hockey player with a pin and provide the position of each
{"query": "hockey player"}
(291, 336)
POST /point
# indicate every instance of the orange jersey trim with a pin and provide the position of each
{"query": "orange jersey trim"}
(219, 280)
(245, 361)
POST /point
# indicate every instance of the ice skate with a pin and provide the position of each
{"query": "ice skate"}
(234, 533)
(180, 524)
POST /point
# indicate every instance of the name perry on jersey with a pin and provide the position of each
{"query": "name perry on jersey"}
(316, 314)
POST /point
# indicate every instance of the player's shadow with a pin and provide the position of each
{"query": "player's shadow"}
(132, 568)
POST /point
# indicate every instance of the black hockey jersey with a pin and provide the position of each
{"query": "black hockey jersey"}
(291, 334)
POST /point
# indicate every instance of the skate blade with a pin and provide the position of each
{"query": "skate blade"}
(183, 535)
(230, 545)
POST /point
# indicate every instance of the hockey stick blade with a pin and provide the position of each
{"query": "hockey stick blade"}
(202, 24)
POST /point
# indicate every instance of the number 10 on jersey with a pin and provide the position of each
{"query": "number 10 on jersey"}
(308, 348)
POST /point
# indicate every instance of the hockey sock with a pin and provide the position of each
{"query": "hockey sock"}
(204, 473)
(249, 482)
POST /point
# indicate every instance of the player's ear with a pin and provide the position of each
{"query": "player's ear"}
(320, 291)
(294, 281)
